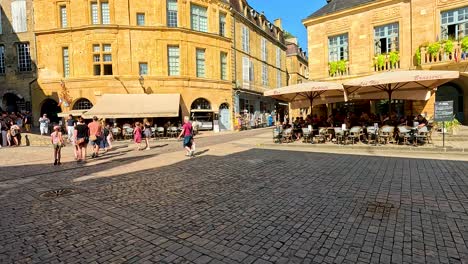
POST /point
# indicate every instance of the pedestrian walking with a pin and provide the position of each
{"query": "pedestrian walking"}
(187, 133)
(5, 128)
(110, 137)
(14, 134)
(27, 121)
(57, 142)
(70, 127)
(95, 136)
(81, 138)
(147, 133)
(137, 135)
(44, 124)
(105, 133)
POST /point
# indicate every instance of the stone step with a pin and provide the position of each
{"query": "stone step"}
(30, 139)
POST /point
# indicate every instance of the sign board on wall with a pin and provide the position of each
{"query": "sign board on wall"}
(443, 111)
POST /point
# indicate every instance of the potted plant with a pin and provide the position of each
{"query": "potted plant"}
(433, 49)
(341, 65)
(448, 48)
(380, 62)
(393, 57)
(333, 68)
(464, 47)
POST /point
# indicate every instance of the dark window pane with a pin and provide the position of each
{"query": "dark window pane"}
(107, 69)
(97, 70)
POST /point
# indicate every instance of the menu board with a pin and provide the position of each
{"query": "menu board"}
(443, 111)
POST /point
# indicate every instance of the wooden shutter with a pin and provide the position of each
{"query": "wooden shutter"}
(18, 13)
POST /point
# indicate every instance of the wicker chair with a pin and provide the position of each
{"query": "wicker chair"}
(355, 133)
(386, 134)
(421, 135)
(287, 135)
(403, 133)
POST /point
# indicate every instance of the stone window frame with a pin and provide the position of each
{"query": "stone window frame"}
(223, 65)
(101, 57)
(338, 47)
(458, 18)
(23, 52)
(200, 62)
(62, 9)
(386, 32)
(172, 13)
(222, 24)
(173, 60)
(82, 104)
(98, 14)
(264, 74)
(66, 61)
(140, 19)
(245, 38)
(199, 18)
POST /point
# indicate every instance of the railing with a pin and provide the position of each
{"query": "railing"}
(383, 62)
(428, 56)
(338, 68)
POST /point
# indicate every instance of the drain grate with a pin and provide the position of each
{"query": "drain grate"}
(382, 208)
(57, 193)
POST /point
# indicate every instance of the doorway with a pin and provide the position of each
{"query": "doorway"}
(51, 108)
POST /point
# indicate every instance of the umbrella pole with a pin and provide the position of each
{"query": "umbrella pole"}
(389, 103)
(311, 99)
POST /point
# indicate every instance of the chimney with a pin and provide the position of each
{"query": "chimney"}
(278, 23)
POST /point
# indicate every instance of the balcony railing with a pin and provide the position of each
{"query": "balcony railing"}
(386, 62)
(338, 68)
(434, 53)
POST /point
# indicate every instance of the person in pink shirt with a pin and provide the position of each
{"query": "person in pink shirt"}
(187, 133)
(137, 135)
(95, 135)
(57, 141)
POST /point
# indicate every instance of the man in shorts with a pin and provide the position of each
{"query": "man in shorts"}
(95, 135)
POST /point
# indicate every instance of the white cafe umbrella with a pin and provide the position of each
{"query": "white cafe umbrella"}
(402, 85)
(309, 94)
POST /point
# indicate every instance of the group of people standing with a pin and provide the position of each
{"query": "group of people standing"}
(11, 126)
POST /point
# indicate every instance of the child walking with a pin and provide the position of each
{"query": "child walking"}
(57, 141)
(137, 135)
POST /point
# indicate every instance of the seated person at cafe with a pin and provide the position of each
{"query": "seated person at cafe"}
(422, 121)
(297, 129)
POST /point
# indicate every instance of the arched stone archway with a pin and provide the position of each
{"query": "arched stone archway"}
(51, 108)
(452, 92)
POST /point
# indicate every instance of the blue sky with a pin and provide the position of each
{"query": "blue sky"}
(291, 12)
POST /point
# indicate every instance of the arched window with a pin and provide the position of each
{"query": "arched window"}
(224, 106)
(201, 103)
(82, 104)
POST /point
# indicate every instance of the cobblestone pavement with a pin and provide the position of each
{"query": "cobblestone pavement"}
(235, 203)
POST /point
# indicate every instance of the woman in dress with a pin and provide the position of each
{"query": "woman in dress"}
(147, 132)
(105, 133)
(137, 135)
(57, 141)
(81, 135)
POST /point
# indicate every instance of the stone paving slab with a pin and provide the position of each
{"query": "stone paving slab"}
(238, 203)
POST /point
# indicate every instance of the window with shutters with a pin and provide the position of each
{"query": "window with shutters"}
(199, 18)
(63, 16)
(245, 39)
(278, 57)
(278, 79)
(200, 57)
(100, 12)
(173, 60)
(1, 29)
(102, 59)
(264, 49)
(24, 57)
(18, 13)
(172, 13)
(264, 74)
(385, 38)
(245, 69)
(224, 71)
(338, 48)
(140, 19)
(454, 23)
(2, 59)
(222, 24)
(66, 62)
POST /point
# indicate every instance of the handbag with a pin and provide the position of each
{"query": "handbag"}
(93, 137)
(80, 141)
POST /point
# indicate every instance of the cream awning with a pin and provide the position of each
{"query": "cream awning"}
(74, 113)
(309, 93)
(404, 85)
(135, 106)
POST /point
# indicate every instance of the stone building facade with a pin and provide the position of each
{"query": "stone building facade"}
(349, 39)
(17, 49)
(298, 72)
(90, 48)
